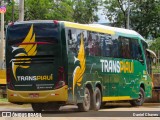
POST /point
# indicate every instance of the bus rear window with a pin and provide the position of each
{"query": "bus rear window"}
(45, 33)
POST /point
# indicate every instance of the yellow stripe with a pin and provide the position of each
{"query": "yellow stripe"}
(87, 27)
(3, 81)
(2, 76)
(116, 98)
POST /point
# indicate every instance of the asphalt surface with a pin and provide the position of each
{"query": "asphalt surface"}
(112, 110)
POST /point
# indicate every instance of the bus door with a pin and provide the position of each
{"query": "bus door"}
(150, 57)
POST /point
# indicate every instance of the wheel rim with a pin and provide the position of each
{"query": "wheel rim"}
(140, 97)
(97, 99)
(87, 98)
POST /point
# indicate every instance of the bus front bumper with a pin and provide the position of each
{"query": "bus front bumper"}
(57, 95)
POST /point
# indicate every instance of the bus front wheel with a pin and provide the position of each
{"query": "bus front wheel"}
(140, 100)
(37, 107)
(97, 99)
(86, 104)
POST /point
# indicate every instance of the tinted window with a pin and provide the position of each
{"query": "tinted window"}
(73, 37)
(94, 44)
(125, 47)
(44, 32)
(136, 52)
(99, 44)
(116, 47)
(129, 48)
(107, 45)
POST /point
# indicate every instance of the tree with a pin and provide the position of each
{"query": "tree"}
(81, 11)
(47, 9)
(144, 15)
(85, 11)
(11, 16)
(116, 12)
(155, 45)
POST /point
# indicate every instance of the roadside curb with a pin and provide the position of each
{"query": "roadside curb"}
(5, 103)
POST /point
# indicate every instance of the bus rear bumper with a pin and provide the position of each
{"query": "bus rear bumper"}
(58, 95)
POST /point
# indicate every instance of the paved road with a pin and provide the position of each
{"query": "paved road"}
(113, 110)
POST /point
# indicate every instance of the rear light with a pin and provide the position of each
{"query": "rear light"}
(11, 24)
(13, 95)
(61, 78)
(9, 84)
(55, 22)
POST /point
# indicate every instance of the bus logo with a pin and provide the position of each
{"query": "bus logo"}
(79, 70)
(117, 66)
(28, 50)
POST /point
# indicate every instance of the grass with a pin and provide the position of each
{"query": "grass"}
(156, 69)
(3, 100)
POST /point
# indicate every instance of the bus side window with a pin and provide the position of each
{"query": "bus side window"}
(90, 44)
(124, 45)
(72, 40)
(107, 45)
(115, 47)
(94, 44)
(70, 34)
(136, 52)
(139, 55)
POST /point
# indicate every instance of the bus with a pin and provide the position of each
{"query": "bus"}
(54, 63)
(3, 83)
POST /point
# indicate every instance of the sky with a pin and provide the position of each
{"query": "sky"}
(102, 18)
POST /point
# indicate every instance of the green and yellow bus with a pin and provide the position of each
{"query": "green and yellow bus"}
(54, 63)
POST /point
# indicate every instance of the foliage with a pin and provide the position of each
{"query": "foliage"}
(84, 11)
(144, 15)
(116, 12)
(81, 11)
(47, 9)
(155, 46)
(8, 15)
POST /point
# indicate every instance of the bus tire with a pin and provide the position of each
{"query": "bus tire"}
(97, 99)
(86, 104)
(140, 100)
(37, 107)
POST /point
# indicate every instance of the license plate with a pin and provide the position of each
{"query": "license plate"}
(34, 95)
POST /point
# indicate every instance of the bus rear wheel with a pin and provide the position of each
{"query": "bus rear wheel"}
(86, 104)
(37, 107)
(97, 99)
(140, 100)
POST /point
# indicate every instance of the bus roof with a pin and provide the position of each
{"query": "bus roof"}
(88, 27)
(105, 29)
(121, 31)
(92, 27)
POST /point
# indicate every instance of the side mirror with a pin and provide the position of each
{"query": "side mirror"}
(141, 60)
(154, 60)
